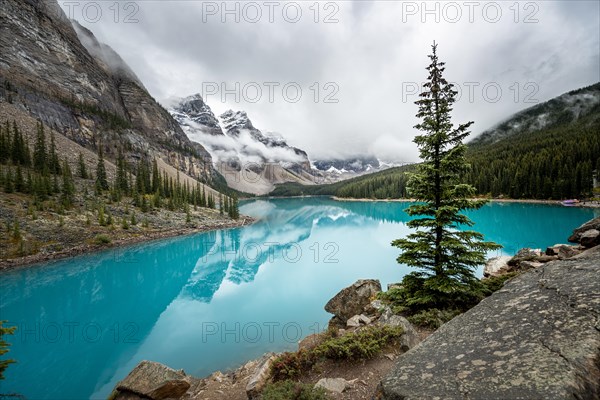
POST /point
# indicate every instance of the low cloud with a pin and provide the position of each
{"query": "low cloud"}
(244, 149)
(534, 51)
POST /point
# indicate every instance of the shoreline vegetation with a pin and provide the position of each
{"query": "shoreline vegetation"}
(123, 242)
(53, 209)
(592, 204)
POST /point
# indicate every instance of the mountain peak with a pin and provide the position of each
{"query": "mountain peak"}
(192, 112)
(235, 121)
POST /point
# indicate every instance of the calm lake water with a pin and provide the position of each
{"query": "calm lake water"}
(212, 301)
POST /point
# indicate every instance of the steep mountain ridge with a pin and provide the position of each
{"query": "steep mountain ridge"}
(192, 113)
(250, 160)
(236, 123)
(563, 109)
(56, 71)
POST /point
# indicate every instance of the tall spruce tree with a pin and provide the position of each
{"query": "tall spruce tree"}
(40, 160)
(53, 160)
(235, 210)
(155, 177)
(81, 168)
(121, 183)
(101, 179)
(444, 255)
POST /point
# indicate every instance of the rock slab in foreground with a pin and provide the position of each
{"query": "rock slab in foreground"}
(536, 338)
(152, 380)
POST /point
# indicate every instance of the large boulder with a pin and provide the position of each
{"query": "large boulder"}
(536, 338)
(590, 238)
(562, 251)
(578, 232)
(523, 255)
(352, 300)
(496, 266)
(410, 338)
(152, 380)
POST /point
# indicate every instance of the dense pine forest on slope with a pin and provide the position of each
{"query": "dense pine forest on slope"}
(516, 159)
(50, 204)
(553, 163)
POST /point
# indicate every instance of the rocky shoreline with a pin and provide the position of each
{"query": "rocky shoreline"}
(354, 309)
(142, 237)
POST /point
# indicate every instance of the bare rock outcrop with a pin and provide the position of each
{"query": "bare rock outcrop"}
(578, 232)
(536, 338)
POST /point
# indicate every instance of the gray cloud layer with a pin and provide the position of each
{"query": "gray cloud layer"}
(374, 54)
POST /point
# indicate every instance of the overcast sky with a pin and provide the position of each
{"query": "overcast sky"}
(368, 56)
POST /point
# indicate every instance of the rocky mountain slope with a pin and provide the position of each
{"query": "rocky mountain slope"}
(56, 71)
(566, 108)
(254, 161)
(251, 160)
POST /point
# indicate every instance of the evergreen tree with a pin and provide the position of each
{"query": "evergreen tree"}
(188, 216)
(121, 183)
(445, 256)
(55, 187)
(4, 347)
(235, 210)
(40, 162)
(19, 151)
(81, 168)
(19, 182)
(226, 205)
(53, 161)
(29, 183)
(221, 203)
(4, 144)
(101, 219)
(101, 179)
(8, 182)
(155, 177)
(144, 206)
(68, 185)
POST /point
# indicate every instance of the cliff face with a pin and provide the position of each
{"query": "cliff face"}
(41, 51)
(58, 72)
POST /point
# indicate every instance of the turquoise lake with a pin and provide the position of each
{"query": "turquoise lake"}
(214, 300)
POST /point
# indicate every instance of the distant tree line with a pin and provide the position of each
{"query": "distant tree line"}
(554, 163)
